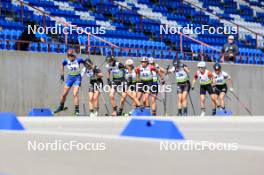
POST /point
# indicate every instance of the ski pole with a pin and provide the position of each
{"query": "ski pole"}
(105, 105)
(192, 103)
(241, 103)
(84, 110)
(165, 94)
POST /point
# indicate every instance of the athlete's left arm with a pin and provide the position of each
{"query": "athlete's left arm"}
(194, 79)
(83, 71)
(186, 68)
(62, 70)
(121, 66)
(162, 70)
(211, 76)
(229, 80)
(159, 72)
(81, 61)
(230, 83)
(213, 80)
(98, 72)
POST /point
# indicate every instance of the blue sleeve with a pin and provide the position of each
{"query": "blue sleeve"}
(80, 61)
(64, 63)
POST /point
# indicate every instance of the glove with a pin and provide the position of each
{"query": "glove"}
(163, 82)
(214, 88)
(192, 87)
(130, 79)
(108, 81)
(231, 89)
(62, 77)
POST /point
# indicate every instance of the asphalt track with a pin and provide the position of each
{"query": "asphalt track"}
(133, 156)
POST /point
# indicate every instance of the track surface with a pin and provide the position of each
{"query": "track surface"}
(130, 156)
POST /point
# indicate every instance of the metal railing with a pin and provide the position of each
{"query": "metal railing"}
(131, 52)
(238, 26)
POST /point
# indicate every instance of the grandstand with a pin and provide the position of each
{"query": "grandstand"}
(134, 26)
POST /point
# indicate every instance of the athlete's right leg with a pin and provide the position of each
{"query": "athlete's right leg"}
(222, 99)
(146, 99)
(122, 103)
(179, 104)
(96, 99)
(96, 102)
(185, 102)
(139, 97)
(132, 95)
(66, 90)
(76, 95)
(112, 101)
(202, 103)
(153, 103)
(76, 99)
(217, 98)
(90, 102)
(122, 100)
(214, 103)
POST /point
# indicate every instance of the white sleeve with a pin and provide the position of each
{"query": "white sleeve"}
(172, 69)
(107, 67)
(226, 75)
(83, 71)
(214, 75)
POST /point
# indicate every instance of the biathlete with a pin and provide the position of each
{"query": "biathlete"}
(156, 80)
(183, 86)
(74, 79)
(145, 80)
(205, 78)
(220, 79)
(130, 90)
(117, 71)
(96, 84)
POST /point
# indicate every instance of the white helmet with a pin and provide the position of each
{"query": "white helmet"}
(129, 62)
(144, 59)
(151, 60)
(201, 64)
(231, 37)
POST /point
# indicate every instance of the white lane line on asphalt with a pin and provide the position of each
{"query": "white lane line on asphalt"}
(116, 137)
(223, 129)
(257, 120)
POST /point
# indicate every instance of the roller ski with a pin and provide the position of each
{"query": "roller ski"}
(76, 111)
(60, 109)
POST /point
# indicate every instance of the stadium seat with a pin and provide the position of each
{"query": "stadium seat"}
(125, 30)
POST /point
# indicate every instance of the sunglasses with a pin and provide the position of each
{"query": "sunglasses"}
(70, 55)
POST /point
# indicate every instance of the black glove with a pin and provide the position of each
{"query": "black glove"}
(214, 88)
(192, 88)
(96, 71)
(130, 79)
(62, 77)
(163, 82)
(109, 81)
